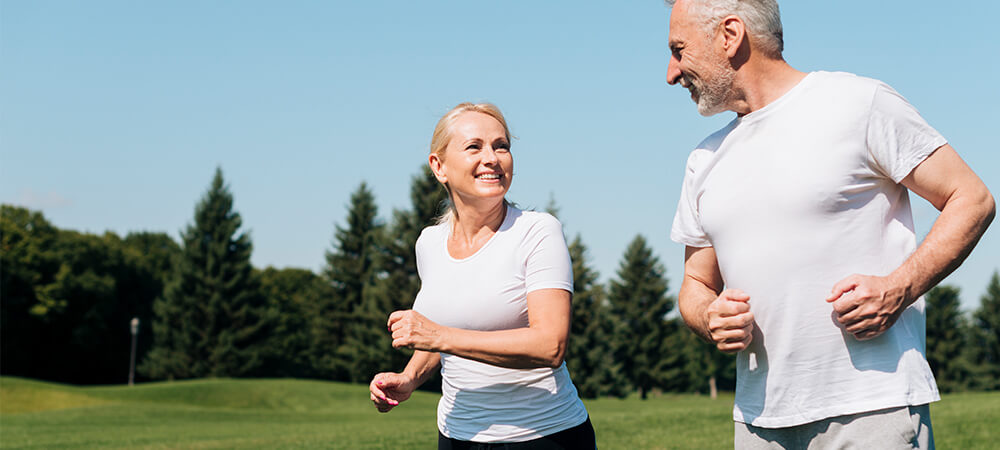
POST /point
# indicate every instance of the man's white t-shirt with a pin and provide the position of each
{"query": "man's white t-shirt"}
(793, 198)
(488, 291)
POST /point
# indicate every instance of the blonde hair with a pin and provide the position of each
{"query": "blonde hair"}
(442, 135)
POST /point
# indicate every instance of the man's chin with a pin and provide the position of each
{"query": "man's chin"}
(709, 112)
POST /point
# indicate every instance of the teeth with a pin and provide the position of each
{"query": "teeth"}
(489, 176)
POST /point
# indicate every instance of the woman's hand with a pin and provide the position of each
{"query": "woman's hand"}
(412, 330)
(390, 389)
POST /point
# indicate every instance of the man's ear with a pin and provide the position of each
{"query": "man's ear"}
(733, 33)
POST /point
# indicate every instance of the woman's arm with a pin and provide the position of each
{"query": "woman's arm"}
(390, 389)
(541, 344)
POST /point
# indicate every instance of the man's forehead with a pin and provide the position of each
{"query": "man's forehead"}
(679, 24)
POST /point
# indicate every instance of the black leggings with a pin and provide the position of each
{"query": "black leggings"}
(578, 437)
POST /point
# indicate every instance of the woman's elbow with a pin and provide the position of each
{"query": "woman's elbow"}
(555, 355)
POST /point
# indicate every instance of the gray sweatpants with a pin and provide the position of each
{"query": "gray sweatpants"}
(893, 428)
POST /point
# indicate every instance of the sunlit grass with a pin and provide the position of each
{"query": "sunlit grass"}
(227, 413)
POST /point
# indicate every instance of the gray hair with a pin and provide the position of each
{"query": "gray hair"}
(762, 19)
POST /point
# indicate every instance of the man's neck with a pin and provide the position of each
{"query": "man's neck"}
(761, 81)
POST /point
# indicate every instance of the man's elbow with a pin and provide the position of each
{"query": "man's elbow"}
(987, 206)
(991, 210)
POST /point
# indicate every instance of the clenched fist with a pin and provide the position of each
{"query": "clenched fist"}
(730, 322)
(412, 330)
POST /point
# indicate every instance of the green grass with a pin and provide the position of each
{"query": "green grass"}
(311, 414)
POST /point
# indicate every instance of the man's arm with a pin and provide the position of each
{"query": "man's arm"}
(967, 208)
(720, 317)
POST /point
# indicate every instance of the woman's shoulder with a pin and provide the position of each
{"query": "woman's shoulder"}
(534, 220)
(432, 233)
(534, 216)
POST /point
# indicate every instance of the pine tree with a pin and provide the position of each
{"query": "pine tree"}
(293, 295)
(946, 338)
(589, 356)
(640, 303)
(986, 338)
(398, 288)
(211, 318)
(349, 330)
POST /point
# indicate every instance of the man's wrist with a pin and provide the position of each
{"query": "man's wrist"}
(901, 283)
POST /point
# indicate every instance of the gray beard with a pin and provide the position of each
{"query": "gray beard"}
(714, 96)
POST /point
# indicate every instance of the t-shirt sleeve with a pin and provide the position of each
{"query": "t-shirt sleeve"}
(548, 265)
(899, 139)
(419, 250)
(687, 228)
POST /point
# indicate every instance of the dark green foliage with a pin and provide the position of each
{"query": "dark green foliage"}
(149, 263)
(640, 304)
(397, 286)
(590, 356)
(946, 338)
(28, 263)
(68, 298)
(985, 348)
(693, 365)
(349, 341)
(293, 295)
(211, 319)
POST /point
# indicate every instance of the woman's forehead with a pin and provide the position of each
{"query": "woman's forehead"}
(472, 124)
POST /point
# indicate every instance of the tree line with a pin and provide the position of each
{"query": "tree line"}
(205, 311)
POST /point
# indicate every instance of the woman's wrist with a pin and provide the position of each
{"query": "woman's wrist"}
(443, 340)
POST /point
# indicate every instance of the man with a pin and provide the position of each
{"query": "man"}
(799, 209)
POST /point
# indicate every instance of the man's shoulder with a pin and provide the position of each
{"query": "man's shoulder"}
(708, 146)
(841, 82)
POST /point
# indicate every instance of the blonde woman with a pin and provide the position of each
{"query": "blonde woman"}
(493, 309)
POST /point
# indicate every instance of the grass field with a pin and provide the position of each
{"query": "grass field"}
(226, 413)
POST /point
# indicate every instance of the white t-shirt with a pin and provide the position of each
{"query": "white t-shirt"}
(488, 291)
(795, 197)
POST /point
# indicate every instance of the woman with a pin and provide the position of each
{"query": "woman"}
(493, 309)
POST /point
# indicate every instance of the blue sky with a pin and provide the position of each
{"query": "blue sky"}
(114, 114)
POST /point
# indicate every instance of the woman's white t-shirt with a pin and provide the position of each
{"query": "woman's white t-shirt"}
(488, 291)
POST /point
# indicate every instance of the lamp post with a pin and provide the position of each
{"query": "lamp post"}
(131, 364)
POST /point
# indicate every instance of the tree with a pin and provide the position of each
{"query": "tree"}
(28, 261)
(946, 338)
(68, 298)
(986, 338)
(149, 259)
(640, 303)
(348, 341)
(589, 357)
(211, 318)
(397, 286)
(292, 294)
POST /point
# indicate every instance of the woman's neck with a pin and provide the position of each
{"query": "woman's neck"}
(471, 223)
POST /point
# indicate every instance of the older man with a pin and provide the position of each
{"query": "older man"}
(801, 253)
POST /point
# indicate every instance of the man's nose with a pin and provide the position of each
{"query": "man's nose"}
(673, 71)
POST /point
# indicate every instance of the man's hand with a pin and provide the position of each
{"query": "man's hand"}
(867, 306)
(412, 330)
(730, 322)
